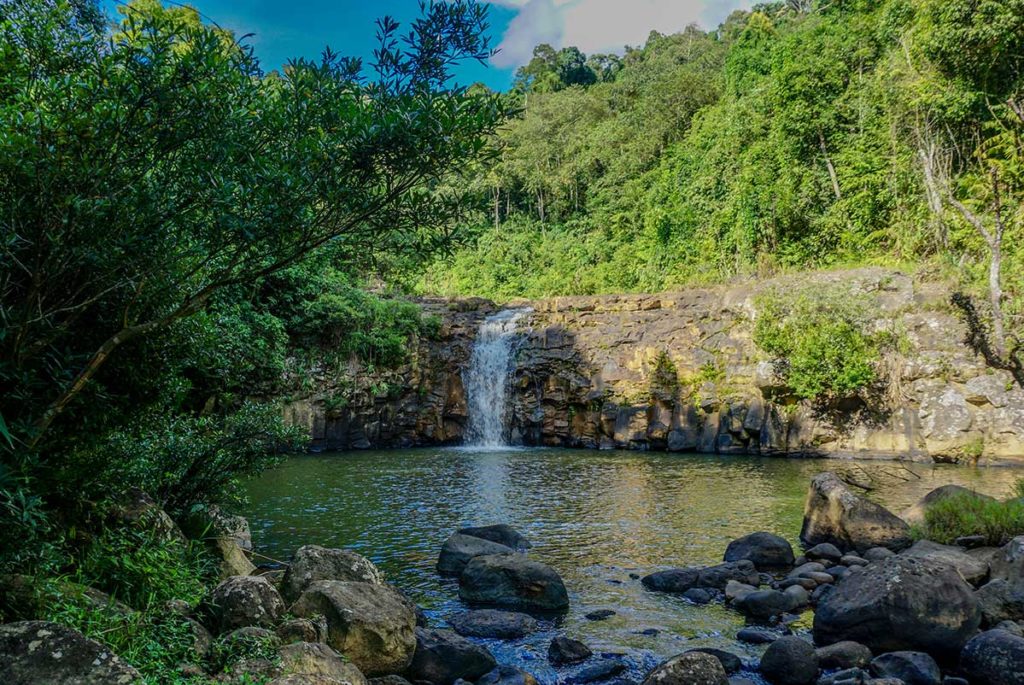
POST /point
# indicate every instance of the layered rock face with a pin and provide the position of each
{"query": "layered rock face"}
(680, 372)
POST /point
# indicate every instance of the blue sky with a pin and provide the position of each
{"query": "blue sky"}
(301, 28)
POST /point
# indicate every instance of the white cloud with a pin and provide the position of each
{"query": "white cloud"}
(600, 25)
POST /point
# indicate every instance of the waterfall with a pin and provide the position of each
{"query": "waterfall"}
(487, 378)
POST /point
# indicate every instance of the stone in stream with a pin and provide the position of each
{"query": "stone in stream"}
(43, 652)
(844, 655)
(490, 623)
(803, 569)
(735, 590)
(507, 675)
(765, 550)
(501, 533)
(563, 650)
(800, 596)
(730, 662)
(600, 670)
(371, 624)
(756, 636)
(994, 657)
(913, 668)
(764, 604)
(312, 563)
(459, 550)
(851, 560)
(442, 657)
(825, 551)
(689, 668)
(698, 595)
(675, 580)
(834, 514)
(679, 580)
(599, 615)
(513, 581)
(790, 660)
(902, 603)
(971, 569)
(1008, 562)
(242, 601)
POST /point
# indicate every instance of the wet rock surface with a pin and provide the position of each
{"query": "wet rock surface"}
(312, 563)
(513, 581)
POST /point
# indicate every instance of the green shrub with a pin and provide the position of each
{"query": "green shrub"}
(963, 515)
(819, 341)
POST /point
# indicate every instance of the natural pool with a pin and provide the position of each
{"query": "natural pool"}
(599, 518)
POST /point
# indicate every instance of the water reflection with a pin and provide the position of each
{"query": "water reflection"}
(596, 517)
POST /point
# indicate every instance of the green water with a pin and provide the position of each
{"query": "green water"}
(599, 518)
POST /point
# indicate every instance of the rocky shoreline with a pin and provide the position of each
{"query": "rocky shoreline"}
(862, 602)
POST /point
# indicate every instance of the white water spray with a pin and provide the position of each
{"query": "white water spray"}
(487, 378)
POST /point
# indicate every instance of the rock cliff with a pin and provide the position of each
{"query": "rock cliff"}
(680, 372)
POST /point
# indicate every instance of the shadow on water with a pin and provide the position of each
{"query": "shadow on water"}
(599, 518)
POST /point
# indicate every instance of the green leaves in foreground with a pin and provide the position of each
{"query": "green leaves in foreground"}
(965, 515)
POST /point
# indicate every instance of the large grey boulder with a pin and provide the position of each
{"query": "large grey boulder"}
(442, 657)
(833, 513)
(690, 668)
(42, 652)
(459, 550)
(242, 601)
(768, 552)
(915, 514)
(790, 660)
(994, 657)
(501, 533)
(1000, 600)
(902, 603)
(318, 659)
(512, 580)
(371, 624)
(312, 563)
(970, 568)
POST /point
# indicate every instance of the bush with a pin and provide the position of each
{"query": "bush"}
(963, 515)
(819, 342)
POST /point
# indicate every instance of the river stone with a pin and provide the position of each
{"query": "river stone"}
(844, 655)
(971, 569)
(915, 514)
(800, 596)
(765, 550)
(489, 623)
(459, 550)
(756, 636)
(1008, 562)
(994, 657)
(851, 560)
(512, 580)
(849, 676)
(730, 662)
(43, 652)
(242, 601)
(834, 514)
(602, 669)
(507, 675)
(690, 668)
(913, 668)
(764, 604)
(674, 580)
(878, 554)
(563, 650)
(716, 577)
(501, 533)
(1011, 627)
(790, 660)
(371, 624)
(316, 658)
(735, 589)
(902, 603)
(312, 563)
(442, 657)
(803, 569)
(824, 551)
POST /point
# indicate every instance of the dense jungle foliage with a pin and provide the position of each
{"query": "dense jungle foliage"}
(798, 135)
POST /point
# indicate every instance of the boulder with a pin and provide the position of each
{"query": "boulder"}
(563, 650)
(790, 660)
(970, 568)
(1008, 562)
(824, 551)
(809, 567)
(844, 655)
(902, 603)
(763, 604)
(674, 580)
(500, 625)
(730, 662)
(698, 595)
(878, 554)
(42, 652)
(512, 580)
(459, 550)
(442, 657)
(765, 550)
(1000, 600)
(915, 514)
(227, 537)
(242, 601)
(312, 563)
(507, 675)
(316, 658)
(995, 657)
(301, 630)
(735, 589)
(834, 514)
(851, 560)
(717, 577)
(799, 595)
(690, 668)
(371, 624)
(913, 668)
(500, 533)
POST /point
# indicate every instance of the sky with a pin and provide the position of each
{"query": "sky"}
(302, 28)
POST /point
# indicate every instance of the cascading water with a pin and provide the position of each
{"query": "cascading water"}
(487, 378)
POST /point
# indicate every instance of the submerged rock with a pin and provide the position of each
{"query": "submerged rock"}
(490, 623)
(679, 580)
(312, 563)
(371, 624)
(501, 533)
(902, 603)
(563, 650)
(43, 652)
(459, 550)
(512, 580)
(765, 550)
(834, 514)
(242, 601)
(690, 668)
(507, 675)
(442, 657)
(600, 670)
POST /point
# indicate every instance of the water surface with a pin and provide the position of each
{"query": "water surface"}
(599, 518)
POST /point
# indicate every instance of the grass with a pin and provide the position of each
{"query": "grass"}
(967, 515)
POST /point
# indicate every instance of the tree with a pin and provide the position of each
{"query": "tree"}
(142, 175)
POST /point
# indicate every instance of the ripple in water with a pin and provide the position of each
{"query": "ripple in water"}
(599, 518)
